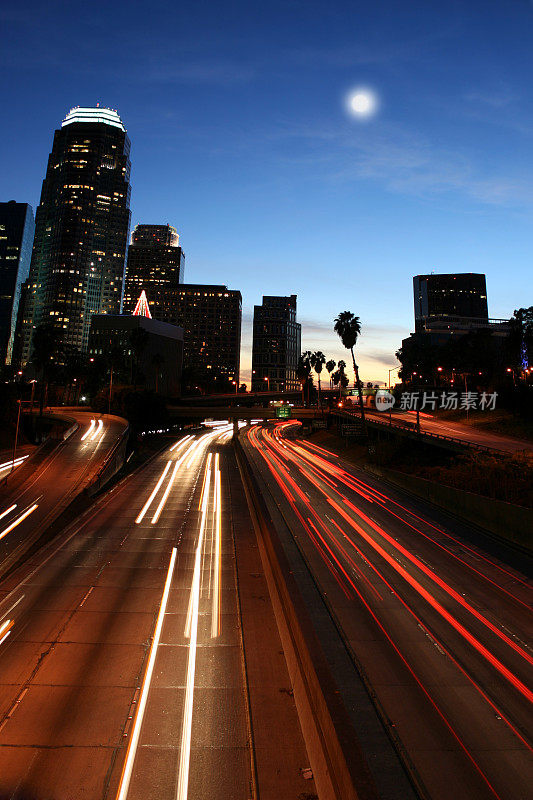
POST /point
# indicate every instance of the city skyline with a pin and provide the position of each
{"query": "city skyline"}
(244, 144)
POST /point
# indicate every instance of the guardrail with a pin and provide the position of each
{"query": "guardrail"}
(112, 463)
(409, 432)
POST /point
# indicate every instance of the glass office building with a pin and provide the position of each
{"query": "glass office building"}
(276, 345)
(155, 264)
(81, 229)
(17, 228)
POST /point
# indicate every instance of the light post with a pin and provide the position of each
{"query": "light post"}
(111, 390)
(235, 384)
(392, 369)
(16, 438)
(267, 379)
(33, 382)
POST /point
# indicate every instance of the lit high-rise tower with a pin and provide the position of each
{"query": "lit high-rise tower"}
(155, 264)
(81, 229)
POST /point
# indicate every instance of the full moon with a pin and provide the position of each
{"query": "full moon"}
(362, 103)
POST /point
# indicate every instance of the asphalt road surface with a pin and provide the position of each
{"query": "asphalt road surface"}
(121, 661)
(439, 628)
(456, 430)
(45, 483)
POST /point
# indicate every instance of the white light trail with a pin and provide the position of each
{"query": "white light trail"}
(5, 629)
(150, 499)
(194, 449)
(185, 750)
(177, 465)
(139, 714)
(8, 511)
(19, 520)
(203, 520)
(88, 431)
(166, 493)
(11, 464)
(98, 429)
(215, 615)
(181, 442)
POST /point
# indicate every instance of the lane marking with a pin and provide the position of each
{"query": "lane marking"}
(139, 714)
(12, 607)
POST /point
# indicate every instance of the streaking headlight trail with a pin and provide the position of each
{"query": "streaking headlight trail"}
(13, 463)
(98, 429)
(89, 430)
(5, 629)
(143, 697)
(20, 519)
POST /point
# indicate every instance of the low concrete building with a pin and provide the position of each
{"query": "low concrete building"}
(149, 353)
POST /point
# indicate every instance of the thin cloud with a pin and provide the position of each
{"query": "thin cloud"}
(404, 161)
(218, 73)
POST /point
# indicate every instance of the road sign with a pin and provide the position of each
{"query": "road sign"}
(352, 430)
(283, 412)
(319, 423)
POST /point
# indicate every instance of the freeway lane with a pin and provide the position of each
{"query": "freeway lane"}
(439, 628)
(122, 674)
(456, 430)
(38, 492)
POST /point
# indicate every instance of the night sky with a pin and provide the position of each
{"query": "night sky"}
(241, 139)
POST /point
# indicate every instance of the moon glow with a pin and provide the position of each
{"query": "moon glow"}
(362, 103)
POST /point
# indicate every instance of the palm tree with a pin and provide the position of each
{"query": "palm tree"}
(330, 366)
(339, 377)
(348, 327)
(304, 371)
(318, 360)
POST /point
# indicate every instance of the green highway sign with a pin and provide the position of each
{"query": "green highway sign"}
(283, 412)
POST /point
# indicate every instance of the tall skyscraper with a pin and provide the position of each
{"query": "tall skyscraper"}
(463, 294)
(276, 345)
(81, 228)
(17, 228)
(155, 264)
(211, 320)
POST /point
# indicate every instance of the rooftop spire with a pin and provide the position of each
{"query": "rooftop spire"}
(141, 309)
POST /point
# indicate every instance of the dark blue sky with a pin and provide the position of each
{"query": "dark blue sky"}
(240, 138)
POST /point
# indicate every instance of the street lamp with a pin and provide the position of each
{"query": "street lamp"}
(393, 369)
(235, 384)
(16, 438)
(267, 378)
(33, 382)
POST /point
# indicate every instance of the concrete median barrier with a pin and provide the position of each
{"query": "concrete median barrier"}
(339, 767)
(506, 521)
